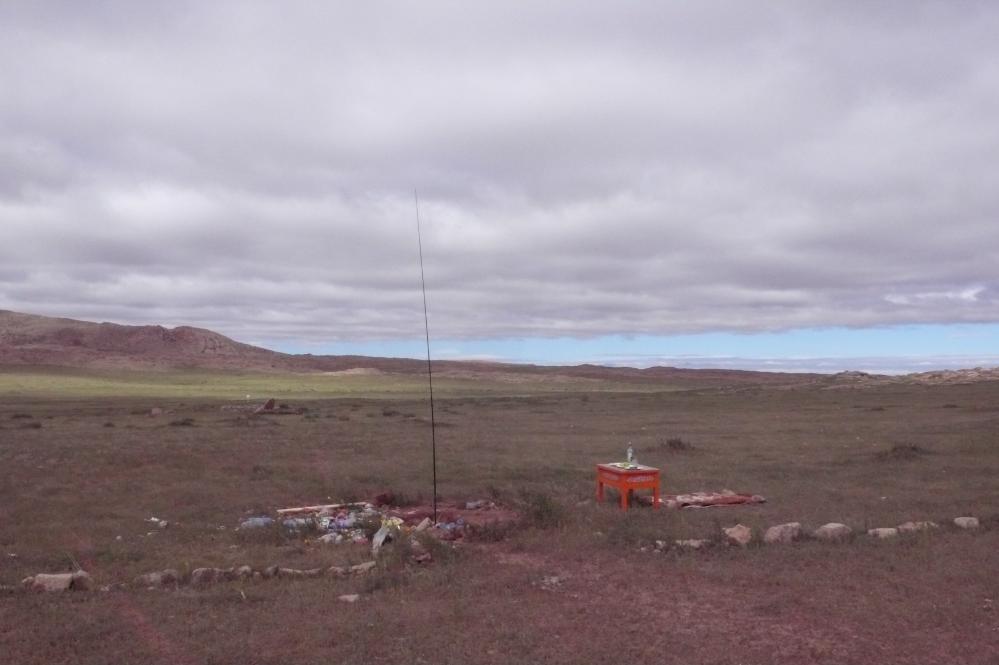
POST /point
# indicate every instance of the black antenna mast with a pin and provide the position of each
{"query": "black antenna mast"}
(430, 372)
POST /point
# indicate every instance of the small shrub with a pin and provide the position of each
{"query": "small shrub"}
(949, 406)
(678, 444)
(490, 532)
(109, 424)
(388, 413)
(541, 511)
(34, 425)
(902, 453)
(672, 445)
(260, 472)
(184, 422)
(18, 416)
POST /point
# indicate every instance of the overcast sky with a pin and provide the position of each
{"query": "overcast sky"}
(585, 170)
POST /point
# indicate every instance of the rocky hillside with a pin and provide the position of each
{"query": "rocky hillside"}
(30, 340)
(27, 339)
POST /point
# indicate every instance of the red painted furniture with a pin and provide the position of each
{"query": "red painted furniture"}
(625, 477)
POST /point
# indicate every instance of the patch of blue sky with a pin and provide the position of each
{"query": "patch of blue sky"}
(889, 349)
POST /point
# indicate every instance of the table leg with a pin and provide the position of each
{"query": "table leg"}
(624, 498)
(655, 496)
(600, 490)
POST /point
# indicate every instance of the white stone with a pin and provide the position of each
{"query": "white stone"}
(693, 544)
(888, 532)
(912, 527)
(782, 533)
(739, 534)
(966, 522)
(349, 597)
(363, 567)
(832, 532)
(79, 581)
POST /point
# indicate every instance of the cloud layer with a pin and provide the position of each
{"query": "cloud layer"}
(627, 168)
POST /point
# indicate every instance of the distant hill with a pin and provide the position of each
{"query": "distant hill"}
(32, 340)
(28, 339)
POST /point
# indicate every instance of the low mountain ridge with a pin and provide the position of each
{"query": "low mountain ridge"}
(33, 340)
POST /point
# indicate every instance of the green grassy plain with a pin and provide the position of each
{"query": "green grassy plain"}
(62, 384)
(83, 466)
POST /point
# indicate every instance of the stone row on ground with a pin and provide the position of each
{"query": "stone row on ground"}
(80, 580)
(742, 535)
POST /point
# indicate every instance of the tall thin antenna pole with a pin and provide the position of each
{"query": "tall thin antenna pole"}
(430, 371)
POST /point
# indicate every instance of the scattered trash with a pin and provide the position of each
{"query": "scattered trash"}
(298, 523)
(704, 499)
(389, 530)
(378, 523)
(256, 523)
(332, 539)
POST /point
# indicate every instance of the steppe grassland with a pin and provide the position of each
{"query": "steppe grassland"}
(83, 463)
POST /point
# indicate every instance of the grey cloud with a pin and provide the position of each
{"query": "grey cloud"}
(635, 168)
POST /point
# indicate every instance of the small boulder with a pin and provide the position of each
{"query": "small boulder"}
(692, 544)
(349, 598)
(156, 411)
(913, 527)
(244, 572)
(202, 577)
(966, 522)
(158, 578)
(77, 581)
(363, 567)
(882, 533)
(782, 533)
(832, 532)
(739, 534)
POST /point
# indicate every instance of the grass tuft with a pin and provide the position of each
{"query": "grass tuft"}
(905, 452)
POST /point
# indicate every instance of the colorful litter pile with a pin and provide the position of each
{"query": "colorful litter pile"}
(378, 523)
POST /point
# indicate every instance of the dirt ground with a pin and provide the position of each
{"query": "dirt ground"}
(575, 582)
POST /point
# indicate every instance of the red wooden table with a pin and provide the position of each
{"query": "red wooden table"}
(627, 477)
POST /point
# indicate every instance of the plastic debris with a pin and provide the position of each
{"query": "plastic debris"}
(256, 523)
(298, 523)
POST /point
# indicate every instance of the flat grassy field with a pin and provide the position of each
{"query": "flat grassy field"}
(83, 466)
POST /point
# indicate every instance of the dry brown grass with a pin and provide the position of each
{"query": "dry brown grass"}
(69, 489)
